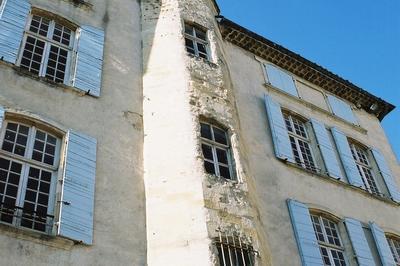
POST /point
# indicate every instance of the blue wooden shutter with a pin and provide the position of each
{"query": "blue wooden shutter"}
(382, 245)
(341, 109)
(77, 202)
(347, 159)
(387, 175)
(359, 242)
(13, 17)
(281, 80)
(89, 62)
(304, 232)
(2, 114)
(280, 136)
(327, 150)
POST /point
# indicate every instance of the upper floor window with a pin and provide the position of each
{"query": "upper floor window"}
(281, 80)
(394, 245)
(47, 48)
(216, 151)
(196, 41)
(29, 159)
(300, 142)
(232, 251)
(364, 168)
(329, 241)
(341, 109)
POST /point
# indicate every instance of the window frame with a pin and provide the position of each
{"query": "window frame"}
(27, 162)
(394, 251)
(287, 116)
(361, 166)
(214, 145)
(71, 49)
(193, 37)
(325, 244)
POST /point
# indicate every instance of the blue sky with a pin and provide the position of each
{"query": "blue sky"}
(359, 40)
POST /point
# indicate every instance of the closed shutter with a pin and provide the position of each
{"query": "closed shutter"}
(382, 245)
(77, 200)
(359, 242)
(13, 17)
(328, 153)
(304, 232)
(342, 109)
(281, 80)
(89, 62)
(350, 166)
(2, 114)
(280, 135)
(387, 175)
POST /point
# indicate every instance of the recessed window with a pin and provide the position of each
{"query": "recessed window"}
(47, 48)
(300, 142)
(216, 151)
(232, 251)
(394, 245)
(330, 244)
(196, 41)
(364, 168)
(28, 171)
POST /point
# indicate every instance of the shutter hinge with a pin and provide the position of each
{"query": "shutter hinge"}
(65, 202)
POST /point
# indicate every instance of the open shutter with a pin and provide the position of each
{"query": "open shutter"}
(342, 109)
(13, 17)
(387, 175)
(327, 150)
(304, 232)
(350, 166)
(280, 135)
(2, 114)
(281, 80)
(382, 245)
(359, 242)
(77, 200)
(89, 62)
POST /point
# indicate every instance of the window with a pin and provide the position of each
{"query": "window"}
(364, 169)
(47, 48)
(233, 252)
(394, 245)
(216, 151)
(300, 142)
(341, 109)
(329, 242)
(28, 171)
(281, 80)
(196, 41)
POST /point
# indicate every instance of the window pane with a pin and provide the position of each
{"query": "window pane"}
(10, 175)
(39, 25)
(206, 131)
(15, 138)
(224, 172)
(200, 34)
(55, 67)
(222, 156)
(209, 167)
(32, 55)
(44, 148)
(207, 152)
(220, 136)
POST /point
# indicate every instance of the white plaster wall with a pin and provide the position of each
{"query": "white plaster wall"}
(275, 181)
(115, 119)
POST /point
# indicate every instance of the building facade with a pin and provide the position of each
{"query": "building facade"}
(162, 133)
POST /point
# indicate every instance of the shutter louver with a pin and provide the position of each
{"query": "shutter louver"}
(382, 245)
(280, 135)
(387, 175)
(89, 62)
(350, 166)
(341, 109)
(305, 235)
(13, 17)
(281, 80)
(328, 153)
(359, 242)
(77, 202)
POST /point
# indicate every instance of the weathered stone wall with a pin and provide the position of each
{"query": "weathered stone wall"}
(114, 119)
